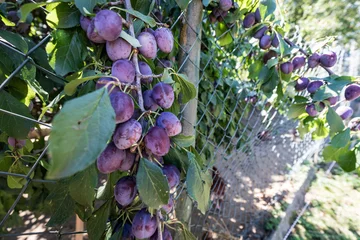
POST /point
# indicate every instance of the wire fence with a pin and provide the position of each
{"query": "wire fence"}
(248, 144)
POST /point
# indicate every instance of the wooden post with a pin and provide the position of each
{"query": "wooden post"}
(190, 40)
(79, 227)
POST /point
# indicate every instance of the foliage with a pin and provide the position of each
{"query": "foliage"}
(64, 91)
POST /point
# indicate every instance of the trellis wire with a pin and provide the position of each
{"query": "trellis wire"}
(255, 123)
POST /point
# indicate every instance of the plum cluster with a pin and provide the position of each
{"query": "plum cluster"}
(221, 11)
(269, 41)
(136, 135)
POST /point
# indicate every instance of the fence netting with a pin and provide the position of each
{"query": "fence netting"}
(248, 145)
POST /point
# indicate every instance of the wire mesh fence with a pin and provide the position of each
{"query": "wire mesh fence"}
(246, 142)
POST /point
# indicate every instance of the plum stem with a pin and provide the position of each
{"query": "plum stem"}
(307, 55)
(135, 57)
(110, 4)
(159, 219)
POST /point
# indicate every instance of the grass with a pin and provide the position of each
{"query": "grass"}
(334, 213)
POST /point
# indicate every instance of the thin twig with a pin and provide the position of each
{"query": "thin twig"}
(110, 4)
(135, 56)
(307, 54)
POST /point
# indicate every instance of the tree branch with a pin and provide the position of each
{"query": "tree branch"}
(135, 60)
(307, 54)
(159, 219)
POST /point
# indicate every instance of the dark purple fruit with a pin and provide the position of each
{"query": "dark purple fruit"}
(118, 49)
(127, 134)
(127, 232)
(157, 141)
(145, 70)
(352, 92)
(328, 59)
(123, 106)
(225, 5)
(333, 100)
(314, 86)
(163, 95)
(265, 42)
(259, 33)
(286, 67)
(149, 103)
(298, 62)
(354, 124)
(166, 235)
(164, 39)
(172, 174)
(148, 45)
(314, 60)
(269, 55)
(275, 41)
(125, 190)
(168, 207)
(249, 20)
(301, 84)
(85, 22)
(170, 123)
(108, 24)
(124, 70)
(144, 226)
(111, 159)
(93, 35)
(16, 143)
(164, 63)
(257, 15)
(344, 112)
(311, 110)
(128, 162)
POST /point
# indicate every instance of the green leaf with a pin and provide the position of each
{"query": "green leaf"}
(15, 40)
(62, 15)
(182, 3)
(27, 8)
(188, 90)
(335, 122)
(152, 184)
(14, 126)
(331, 153)
(320, 130)
(80, 133)
(6, 21)
(198, 186)
(341, 139)
(179, 158)
(347, 161)
(270, 6)
(323, 93)
(12, 61)
(67, 51)
(96, 224)
(271, 82)
(147, 19)
(62, 205)
(166, 78)
(87, 6)
(70, 88)
(185, 233)
(86, 181)
(18, 182)
(133, 41)
(183, 141)
(337, 83)
(285, 49)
